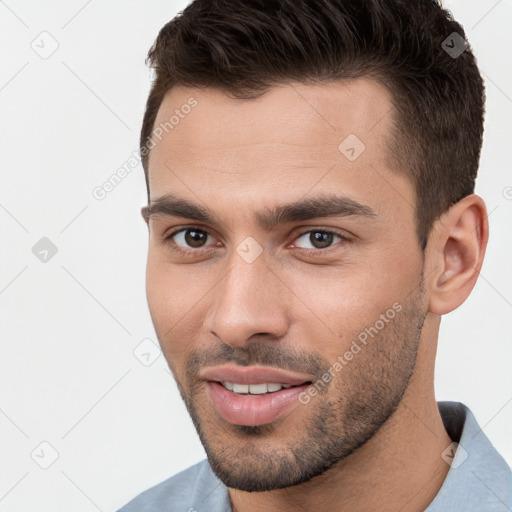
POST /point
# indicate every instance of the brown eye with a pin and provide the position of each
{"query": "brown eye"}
(188, 238)
(319, 239)
(195, 238)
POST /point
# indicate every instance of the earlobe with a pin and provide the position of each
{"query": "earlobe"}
(458, 246)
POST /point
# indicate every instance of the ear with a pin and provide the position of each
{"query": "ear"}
(144, 213)
(455, 253)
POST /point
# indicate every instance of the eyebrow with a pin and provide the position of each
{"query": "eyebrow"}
(304, 209)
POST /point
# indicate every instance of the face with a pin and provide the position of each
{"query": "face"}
(284, 274)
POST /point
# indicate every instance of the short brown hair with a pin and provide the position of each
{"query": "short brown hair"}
(244, 47)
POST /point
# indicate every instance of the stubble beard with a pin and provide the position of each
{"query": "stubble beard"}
(344, 415)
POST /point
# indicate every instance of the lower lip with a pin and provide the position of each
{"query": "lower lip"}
(252, 410)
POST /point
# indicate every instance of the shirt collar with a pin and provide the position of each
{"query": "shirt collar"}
(479, 479)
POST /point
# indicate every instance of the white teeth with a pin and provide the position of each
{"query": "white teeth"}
(254, 389)
(258, 389)
(241, 388)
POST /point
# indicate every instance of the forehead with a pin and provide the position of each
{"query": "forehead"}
(281, 145)
(315, 115)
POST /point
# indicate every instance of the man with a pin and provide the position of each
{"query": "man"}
(310, 170)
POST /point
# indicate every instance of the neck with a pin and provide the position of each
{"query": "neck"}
(399, 468)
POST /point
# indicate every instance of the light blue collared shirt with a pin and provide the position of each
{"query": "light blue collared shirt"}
(479, 479)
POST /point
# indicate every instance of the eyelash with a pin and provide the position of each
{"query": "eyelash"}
(193, 252)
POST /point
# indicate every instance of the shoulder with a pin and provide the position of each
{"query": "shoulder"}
(479, 477)
(193, 486)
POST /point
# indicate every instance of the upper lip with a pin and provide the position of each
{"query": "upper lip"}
(253, 375)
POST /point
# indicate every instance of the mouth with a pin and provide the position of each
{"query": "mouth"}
(253, 396)
(256, 389)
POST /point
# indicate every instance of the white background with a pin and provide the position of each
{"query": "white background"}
(68, 375)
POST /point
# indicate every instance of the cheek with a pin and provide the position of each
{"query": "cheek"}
(342, 303)
(169, 290)
(173, 304)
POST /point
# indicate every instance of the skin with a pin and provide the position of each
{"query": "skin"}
(238, 158)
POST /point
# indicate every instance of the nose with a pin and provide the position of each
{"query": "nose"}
(250, 303)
